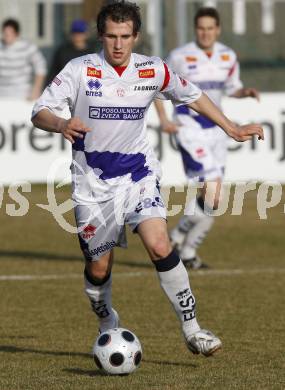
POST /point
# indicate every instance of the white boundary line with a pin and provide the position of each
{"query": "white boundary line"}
(217, 272)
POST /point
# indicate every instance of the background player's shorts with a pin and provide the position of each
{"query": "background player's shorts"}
(102, 225)
(203, 152)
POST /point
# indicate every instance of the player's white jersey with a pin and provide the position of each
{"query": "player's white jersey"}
(116, 152)
(215, 75)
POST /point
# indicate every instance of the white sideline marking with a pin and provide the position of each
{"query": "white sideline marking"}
(218, 272)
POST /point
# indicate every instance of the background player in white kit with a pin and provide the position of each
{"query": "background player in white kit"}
(214, 68)
(114, 170)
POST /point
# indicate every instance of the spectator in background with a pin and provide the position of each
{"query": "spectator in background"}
(22, 66)
(77, 46)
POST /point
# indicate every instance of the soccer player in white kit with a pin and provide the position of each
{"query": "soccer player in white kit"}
(114, 171)
(214, 68)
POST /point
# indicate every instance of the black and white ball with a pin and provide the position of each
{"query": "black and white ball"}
(117, 351)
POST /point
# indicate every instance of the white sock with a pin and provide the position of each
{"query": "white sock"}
(100, 296)
(174, 281)
(201, 224)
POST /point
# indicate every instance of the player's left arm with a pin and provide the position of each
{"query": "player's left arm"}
(203, 105)
(246, 92)
(234, 86)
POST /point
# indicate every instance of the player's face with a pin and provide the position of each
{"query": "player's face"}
(118, 42)
(9, 35)
(207, 32)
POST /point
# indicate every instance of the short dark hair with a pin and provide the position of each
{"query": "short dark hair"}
(119, 12)
(11, 23)
(207, 11)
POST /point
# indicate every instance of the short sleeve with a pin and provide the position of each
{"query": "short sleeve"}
(61, 93)
(38, 61)
(177, 89)
(233, 82)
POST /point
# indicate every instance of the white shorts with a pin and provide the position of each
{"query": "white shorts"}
(102, 225)
(203, 152)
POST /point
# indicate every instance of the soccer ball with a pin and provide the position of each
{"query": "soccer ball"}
(117, 351)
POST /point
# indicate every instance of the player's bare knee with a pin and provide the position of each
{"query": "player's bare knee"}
(97, 270)
(161, 247)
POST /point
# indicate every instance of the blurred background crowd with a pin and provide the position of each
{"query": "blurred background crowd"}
(39, 37)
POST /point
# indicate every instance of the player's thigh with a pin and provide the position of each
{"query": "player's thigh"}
(147, 216)
(154, 235)
(99, 229)
(212, 192)
(100, 268)
(220, 148)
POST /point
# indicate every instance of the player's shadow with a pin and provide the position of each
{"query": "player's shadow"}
(15, 349)
(169, 363)
(39, 256)
(80, 371)
(23, 255)
(134, 264)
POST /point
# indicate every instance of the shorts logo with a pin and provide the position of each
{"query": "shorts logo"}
(89, 232)
(102, 248)
(191, 59)
(146, 73)
(200, 152)
(117, 113)
(148, 203)
(93, 72)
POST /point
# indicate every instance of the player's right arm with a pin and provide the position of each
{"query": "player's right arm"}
(69, 128)
(58, 96)
(166, 125)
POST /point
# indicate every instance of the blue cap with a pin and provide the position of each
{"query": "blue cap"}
(79, 26)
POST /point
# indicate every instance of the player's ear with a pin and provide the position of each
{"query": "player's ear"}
(219, 31)
(136, 36)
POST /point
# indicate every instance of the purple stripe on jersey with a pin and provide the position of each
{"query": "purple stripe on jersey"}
(190, 165)
(204, 122)
(114, 164)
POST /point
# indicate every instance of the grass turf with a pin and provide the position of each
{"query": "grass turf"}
(47, 329)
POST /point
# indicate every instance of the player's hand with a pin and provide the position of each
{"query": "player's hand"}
(252, 92)
(246, 132)
(168, 127)
(73, 128)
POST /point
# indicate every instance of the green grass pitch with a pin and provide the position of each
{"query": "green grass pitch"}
(47, 329)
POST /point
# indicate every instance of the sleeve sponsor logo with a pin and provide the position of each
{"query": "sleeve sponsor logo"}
(146, 73)
(117, 113)
(57, 81)
(93, 72)
(225, 57)
(191, 59)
